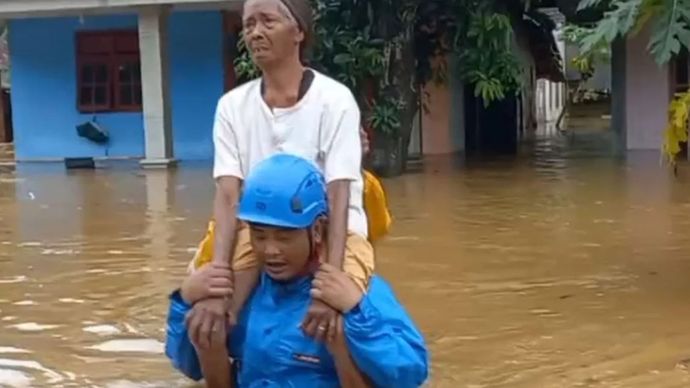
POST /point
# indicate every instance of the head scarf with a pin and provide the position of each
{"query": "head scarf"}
(301, 11)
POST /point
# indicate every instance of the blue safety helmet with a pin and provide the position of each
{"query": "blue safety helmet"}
(284, 191)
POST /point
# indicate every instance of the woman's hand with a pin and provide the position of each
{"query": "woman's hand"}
(211, 281)
(335, 288)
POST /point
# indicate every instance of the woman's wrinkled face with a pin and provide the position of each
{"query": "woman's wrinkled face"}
(285, 253)
(271, 33)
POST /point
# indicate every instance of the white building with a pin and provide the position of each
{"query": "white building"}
(551, 95)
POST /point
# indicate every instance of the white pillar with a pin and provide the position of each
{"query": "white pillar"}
(153, 46)
(648, 92)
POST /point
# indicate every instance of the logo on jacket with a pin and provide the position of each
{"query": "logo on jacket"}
(306, 358)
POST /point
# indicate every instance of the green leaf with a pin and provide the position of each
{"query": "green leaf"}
(684, 36)
(628, 13)
(617, 22)
(584, 4)
(342, 59)
(667, 31)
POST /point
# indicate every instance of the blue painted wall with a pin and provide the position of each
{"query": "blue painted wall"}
(196, 55)
(44, 88)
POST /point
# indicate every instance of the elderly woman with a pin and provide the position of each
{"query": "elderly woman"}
(296, 110)
(376, 343)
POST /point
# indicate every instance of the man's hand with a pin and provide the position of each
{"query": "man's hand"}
(207, 323)
(337, 345)
(349, 375)
(320, 322)
(213, 280)
(335, 287)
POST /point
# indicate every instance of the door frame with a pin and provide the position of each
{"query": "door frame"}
(232, 26)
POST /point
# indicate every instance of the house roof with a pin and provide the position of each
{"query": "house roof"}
(569, 10)
(30, 8)
(555, 14)
(539, 27)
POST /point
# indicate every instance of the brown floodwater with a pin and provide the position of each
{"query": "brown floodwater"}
(563, 267)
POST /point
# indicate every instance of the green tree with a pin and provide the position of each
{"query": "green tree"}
(669, 21)
(585, 63)
(385, 50)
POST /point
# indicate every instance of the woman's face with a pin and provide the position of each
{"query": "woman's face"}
(270, 32)
(285, 253)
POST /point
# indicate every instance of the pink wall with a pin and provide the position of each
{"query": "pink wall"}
(647, 94)
(436, 132)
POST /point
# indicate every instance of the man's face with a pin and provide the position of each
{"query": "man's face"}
(285, 253)
(270, 32)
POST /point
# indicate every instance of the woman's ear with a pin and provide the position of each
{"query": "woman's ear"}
(300, 36)
(320, 230)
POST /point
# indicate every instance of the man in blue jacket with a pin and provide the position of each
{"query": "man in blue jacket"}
(377, 344)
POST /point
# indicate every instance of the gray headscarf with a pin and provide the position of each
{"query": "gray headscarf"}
(302, 12)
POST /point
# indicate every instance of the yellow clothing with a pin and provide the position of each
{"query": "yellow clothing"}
(359, 253)
(358, 261)
(376, 207)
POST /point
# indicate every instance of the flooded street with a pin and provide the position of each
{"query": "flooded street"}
(563, 267)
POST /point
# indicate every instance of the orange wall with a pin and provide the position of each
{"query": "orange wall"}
(436, 133)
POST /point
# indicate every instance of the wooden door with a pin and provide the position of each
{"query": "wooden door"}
(232, 26)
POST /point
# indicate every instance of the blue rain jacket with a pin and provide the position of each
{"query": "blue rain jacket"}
(272, 350)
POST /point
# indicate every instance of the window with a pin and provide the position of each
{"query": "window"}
(108, 71)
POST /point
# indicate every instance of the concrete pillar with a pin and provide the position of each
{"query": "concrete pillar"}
(647, 92)
(457, 111)
(415, 147)
(5, 135)
(153, 45)
(618, 71)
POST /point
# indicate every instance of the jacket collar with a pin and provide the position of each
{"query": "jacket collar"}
(293, 288)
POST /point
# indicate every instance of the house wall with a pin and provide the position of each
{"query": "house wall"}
(436, 131)
(647, 95)
(550, 96)
(44, 87)
(618, 99)
(443, 127)
(521, 50)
